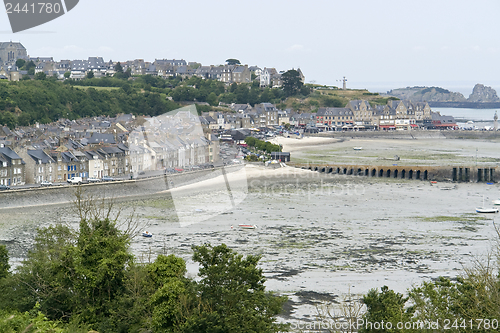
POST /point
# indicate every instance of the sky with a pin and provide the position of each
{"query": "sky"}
(375, 44)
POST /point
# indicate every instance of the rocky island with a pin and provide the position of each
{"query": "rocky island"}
(482, 97)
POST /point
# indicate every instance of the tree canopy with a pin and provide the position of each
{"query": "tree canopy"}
(292, 83)
(232, 61)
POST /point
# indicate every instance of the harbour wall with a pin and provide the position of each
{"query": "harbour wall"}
(431, 173)
(116, 190)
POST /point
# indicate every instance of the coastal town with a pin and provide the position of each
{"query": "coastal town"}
(97, 147)
(164, 168)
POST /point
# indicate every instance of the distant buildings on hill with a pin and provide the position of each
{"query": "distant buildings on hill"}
(10, 52)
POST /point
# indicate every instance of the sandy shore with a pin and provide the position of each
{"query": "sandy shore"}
(293, 145)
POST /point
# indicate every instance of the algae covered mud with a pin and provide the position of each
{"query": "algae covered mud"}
(320, 236)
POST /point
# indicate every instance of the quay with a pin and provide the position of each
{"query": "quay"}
(431, 173)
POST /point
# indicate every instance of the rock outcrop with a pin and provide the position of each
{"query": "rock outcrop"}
(483, 94)
(427, 94)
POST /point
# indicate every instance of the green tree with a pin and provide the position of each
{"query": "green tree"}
(24, 119)
(167, 274)
(292, 82)
(118, 68)
(90, 75)
(40, 76)
(30, 65)
(67, 74)
(232, 61)
(232, 294)
(9, 119)
(212, 99)
(101, 256)
(20, 63)
(128, 73)
(387, 306)
(46, 275)
(4, 262)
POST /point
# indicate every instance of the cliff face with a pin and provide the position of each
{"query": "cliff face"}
(483, 94)
(427, 94)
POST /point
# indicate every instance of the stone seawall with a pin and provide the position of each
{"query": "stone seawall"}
(119, 189)
(436, 173)
(412, 135)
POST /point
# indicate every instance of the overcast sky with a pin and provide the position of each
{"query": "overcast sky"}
(377, 44)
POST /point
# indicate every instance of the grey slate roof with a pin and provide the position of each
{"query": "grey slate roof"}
(334, 112)
(101, 138)
(9, 154)
(39, 155)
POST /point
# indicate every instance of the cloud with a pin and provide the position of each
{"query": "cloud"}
(297, 48)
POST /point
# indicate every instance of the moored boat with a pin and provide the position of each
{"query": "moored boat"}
(485, 210)
(147, 234)
(247, 226)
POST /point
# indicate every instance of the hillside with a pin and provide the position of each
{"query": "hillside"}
(323, 97)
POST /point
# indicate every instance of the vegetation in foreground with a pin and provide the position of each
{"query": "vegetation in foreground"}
(76, 281)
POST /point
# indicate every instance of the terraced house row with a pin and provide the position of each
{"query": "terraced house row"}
(396, 115)
(154, 151)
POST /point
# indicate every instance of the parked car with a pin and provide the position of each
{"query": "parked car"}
(75, 180)
(4, 187)
(108, 179)
(93, 180)
(46, 183)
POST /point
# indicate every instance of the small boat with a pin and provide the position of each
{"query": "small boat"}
(445, 188)
(357, 148)
(247, 226)
(496, 202)
(147, 234)
(485, 210)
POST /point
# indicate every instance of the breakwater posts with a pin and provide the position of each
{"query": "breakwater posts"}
(437, 173)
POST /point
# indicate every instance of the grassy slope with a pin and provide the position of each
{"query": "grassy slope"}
(320, 98)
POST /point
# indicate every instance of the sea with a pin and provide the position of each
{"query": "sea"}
(481, 118)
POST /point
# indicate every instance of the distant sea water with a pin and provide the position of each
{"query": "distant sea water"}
(476, 115)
